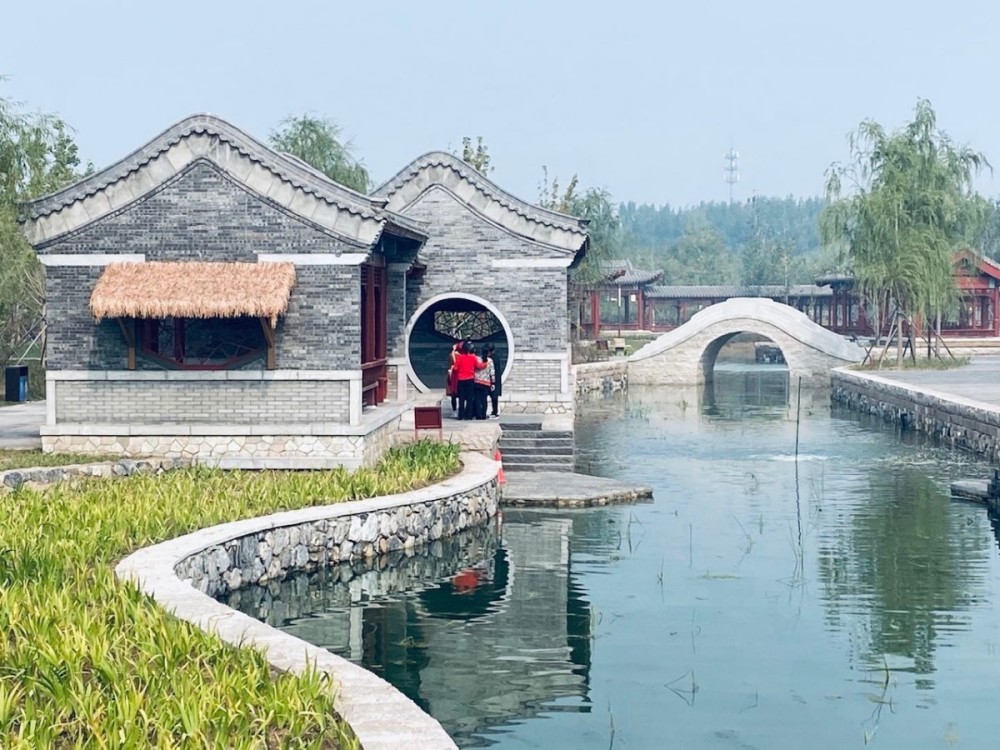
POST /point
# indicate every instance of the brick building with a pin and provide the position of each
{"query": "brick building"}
(271, 317)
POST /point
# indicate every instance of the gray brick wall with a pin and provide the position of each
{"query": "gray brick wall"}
(203, 215)
(201, 402)
(534, 376)
(458, 257)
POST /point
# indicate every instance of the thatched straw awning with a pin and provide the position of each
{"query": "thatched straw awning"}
(193, 289)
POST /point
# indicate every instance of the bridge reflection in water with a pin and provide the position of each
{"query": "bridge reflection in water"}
(480, 630)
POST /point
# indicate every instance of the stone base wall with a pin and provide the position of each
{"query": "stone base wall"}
(535, 407)
(601, 377)
(961, 423)
(221, 450)
(233, 446)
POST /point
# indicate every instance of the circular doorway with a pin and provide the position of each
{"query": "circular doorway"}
(443, 320)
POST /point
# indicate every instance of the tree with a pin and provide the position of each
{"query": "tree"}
(317, 142)
(698, 257)
(898, 210)
(477, 156)
(593, 205)
(37, 156)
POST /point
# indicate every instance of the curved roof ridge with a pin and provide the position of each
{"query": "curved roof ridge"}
(283, 167)
(484, 185)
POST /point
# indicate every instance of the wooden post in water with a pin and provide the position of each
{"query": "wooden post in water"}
(798, 411)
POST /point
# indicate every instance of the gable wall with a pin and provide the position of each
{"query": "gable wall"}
(202, 215)
(459, 254)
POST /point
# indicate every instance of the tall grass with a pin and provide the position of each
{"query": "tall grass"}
(86, 661)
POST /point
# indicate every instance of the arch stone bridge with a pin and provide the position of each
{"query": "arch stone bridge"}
(686, 355)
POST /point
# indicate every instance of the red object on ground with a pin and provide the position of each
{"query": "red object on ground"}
(498, 456)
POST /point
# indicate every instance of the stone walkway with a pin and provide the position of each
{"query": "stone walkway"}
(979, 380)
(19, 425)
(563, 489)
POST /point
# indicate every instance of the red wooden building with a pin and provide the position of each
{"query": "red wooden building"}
(630, 299)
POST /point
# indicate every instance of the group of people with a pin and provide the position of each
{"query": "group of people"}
(472, 380)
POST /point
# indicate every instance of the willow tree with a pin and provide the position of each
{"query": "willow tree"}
(318, 142)
(37, 156)
(898, 210)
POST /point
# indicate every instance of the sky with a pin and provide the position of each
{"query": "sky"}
(639, 98)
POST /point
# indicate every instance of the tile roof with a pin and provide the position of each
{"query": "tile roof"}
(727, 292)
(621, 272)
(439, 169)
(283, 179)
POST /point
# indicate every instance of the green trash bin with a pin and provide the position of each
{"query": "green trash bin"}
(16, 383)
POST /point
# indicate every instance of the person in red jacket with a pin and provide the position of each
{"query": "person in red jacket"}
(466, 365)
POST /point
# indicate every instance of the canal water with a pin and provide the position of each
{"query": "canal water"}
(837, 599)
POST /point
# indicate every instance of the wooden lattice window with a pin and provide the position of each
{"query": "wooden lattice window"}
(473, 324)
(202, 343)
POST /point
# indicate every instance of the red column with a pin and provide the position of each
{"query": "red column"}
(595, 312)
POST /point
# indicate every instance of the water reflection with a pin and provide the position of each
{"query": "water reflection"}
(492, 627)
(766, 595)
(903, 560)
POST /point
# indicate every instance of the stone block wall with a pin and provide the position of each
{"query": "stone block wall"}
(393, 573)
(230, 451)
(201, 401)
(600, 377)
(955, 421)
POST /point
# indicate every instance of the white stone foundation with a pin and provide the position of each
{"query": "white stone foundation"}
(236, 446)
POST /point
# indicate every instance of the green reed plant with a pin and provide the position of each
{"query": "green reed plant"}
(87, 662)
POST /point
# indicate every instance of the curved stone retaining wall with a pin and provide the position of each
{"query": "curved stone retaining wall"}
(960, 422)
(180, 573)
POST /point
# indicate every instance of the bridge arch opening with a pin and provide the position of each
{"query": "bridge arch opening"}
(440, 322)
(740, 349)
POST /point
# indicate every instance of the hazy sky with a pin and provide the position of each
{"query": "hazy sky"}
(641, 98)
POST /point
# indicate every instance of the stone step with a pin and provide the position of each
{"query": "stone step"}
(532, 450)
(509, 461)
(519, 426)
(513, 442)
(539, 467)
(564, 434)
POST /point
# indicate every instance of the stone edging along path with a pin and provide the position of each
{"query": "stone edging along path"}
(961, 422)
(225, 557)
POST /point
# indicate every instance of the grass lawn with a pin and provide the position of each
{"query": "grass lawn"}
(889, 363)
(86, 661)
(26, 459)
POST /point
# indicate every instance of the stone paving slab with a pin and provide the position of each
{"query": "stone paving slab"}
(19, 425)
(564, 489)
(979, 380)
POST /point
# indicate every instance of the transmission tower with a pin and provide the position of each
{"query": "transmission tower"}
(731, 169)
